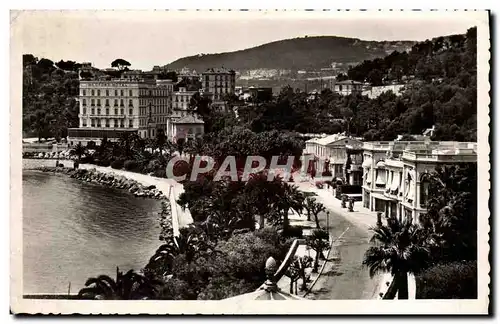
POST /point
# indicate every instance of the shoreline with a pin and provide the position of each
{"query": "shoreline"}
(165, 189)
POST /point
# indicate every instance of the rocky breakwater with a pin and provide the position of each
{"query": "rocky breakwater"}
(110, 180)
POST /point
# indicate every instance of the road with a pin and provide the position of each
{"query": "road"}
(345, 278)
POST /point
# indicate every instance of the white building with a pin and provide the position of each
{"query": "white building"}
(108, 108)
(395, 178)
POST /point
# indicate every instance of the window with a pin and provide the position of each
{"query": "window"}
(130, 103)
(84, 123)
(107, 93)
(131, 124)
(84, 92)
(121, 93)
(93, 93)
(98, 111)
(92, 123)
(98, 102)
(116, 102)
(121, 102)
(122, 111)
(98, 123)
(84, 111)
(122, 124)
(131, 111)
(93, 111)
(84, 102)
(107, 102)
(424, 190)
(107, 111)
(116, 111)
(92, 102)
(116, 122)
(107, 123)
(130, 93)
(116, 93)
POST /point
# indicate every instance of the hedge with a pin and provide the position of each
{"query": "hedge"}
(457, 280)
(117, 164)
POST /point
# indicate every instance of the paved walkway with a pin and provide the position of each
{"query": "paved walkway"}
(347, 278)
(344, 277)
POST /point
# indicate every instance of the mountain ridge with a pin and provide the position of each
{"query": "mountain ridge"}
(311, 53)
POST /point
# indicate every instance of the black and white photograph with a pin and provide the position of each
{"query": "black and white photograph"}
(337, 160)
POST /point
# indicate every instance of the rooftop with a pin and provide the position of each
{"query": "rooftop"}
(349, 82)
(327, 139)
(218, 70)
(189, 119)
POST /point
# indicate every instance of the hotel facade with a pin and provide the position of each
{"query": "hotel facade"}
(109, 108)
(218, 83)
(396, 174)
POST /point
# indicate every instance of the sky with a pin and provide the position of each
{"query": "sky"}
(148, 38)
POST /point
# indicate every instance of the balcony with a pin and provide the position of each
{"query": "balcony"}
(355, 167)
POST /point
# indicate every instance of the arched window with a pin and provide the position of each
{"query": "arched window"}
(424, 189)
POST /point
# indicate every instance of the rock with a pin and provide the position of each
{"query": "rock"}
(151, 187)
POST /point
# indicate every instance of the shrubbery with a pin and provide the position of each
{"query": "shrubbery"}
(131, 165)
(293, 231)
(117, 164)
(457, 280)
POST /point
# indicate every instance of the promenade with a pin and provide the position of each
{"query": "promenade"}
(344, 277)
(170, 188)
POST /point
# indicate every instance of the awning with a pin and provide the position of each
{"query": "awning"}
(395, 182)
(382, 197)
(410, 193)
(380, 178)
(367, 163)
(369, 176)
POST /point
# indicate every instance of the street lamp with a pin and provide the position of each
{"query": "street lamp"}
(327, 219)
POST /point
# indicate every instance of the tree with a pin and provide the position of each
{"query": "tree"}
(121, 64)
(290, 198)
(190, 242)
(319, 242)
(29, 59)
(79, 150)
(126, 286)
(400, 248)
(45, 64)
(160, 140)
(450, 195)
(314, 208)
(297, 269)
(180, 143)
(293, 273)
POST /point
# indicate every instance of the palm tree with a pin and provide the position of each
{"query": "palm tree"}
(318, 241)
(160, 141)
(126, 286)
(291, 198)
(191, 241)
(400, 248)
(79, 150)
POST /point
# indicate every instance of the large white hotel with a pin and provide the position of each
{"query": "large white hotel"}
(110, 107)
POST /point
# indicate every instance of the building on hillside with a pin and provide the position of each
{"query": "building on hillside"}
(218, 83)
(342, 153)
(346, 87)
(108, 108)
(155, 108)
(188, 127)
(395, 178)
(374, 92)
(180, 106)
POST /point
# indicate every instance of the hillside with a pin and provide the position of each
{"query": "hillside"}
(308, 53)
